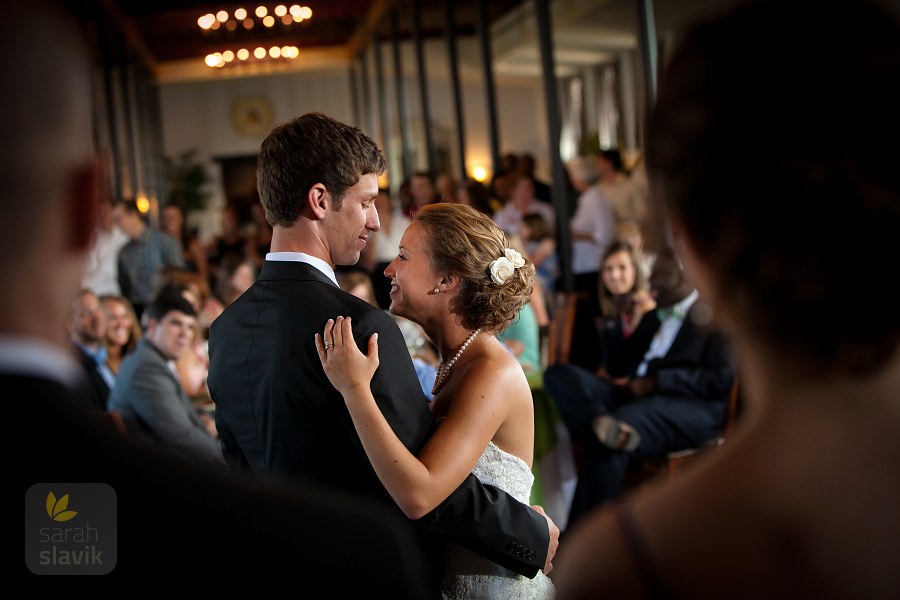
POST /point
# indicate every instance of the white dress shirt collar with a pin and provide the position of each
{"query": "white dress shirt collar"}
(313, 261)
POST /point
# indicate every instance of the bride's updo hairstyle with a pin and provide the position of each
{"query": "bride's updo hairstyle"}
(464, 242)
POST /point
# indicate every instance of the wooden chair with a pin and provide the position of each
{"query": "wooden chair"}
(668, 464)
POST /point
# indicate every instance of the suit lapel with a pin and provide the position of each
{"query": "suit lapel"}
(687, 336)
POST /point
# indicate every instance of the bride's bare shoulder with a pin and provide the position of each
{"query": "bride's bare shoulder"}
(497, 367)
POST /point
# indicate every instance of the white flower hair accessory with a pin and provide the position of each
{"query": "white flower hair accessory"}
(515, 258)
(504, 266)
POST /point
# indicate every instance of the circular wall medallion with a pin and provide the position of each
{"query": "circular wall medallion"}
(252, 116)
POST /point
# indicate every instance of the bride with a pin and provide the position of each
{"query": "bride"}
(456, 277)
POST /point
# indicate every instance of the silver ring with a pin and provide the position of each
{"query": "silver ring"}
(327, 346)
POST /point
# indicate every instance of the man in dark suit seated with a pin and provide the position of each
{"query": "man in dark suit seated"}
(666, 389)
(95, 503)
(148, 390)
(87, 328)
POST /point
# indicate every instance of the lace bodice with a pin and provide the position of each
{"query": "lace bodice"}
(506, 471)
(470, 576)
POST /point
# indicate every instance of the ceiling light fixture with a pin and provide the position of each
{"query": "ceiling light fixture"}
(280, 17)
(243, 55)
(294, 14)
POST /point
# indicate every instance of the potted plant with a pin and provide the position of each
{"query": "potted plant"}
(187, 178)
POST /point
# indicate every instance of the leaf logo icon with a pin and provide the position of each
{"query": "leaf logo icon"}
(56, 509)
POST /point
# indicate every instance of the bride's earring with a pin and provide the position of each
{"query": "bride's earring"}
(437, 290)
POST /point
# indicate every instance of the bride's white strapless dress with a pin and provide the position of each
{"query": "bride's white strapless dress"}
(469, 576)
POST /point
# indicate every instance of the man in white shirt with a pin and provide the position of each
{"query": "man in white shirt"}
(102, 271)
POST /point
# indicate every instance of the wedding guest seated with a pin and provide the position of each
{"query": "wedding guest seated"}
(207, 305)
(148, 389)
(123, 332)
(624, 294)
(87, 330)
(630, 231)
(192, 367)
(671, 394)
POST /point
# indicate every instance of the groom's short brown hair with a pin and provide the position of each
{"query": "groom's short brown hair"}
(313, 148)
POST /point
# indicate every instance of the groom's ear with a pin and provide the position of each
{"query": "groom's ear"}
(318, 200)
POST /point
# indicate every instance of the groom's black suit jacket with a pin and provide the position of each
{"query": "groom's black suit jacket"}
(279, 416)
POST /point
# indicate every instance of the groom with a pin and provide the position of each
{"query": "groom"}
(276, 412)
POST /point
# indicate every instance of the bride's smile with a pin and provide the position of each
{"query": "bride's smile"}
(413, 280)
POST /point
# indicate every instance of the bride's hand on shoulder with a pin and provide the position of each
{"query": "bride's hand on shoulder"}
(346, 367)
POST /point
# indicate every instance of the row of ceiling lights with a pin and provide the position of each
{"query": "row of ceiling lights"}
(220, 59)
(294, 14)
(288, 16)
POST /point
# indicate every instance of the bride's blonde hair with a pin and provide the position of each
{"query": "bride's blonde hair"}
(464, 242)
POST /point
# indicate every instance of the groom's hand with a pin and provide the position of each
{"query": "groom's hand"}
(554, 539)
